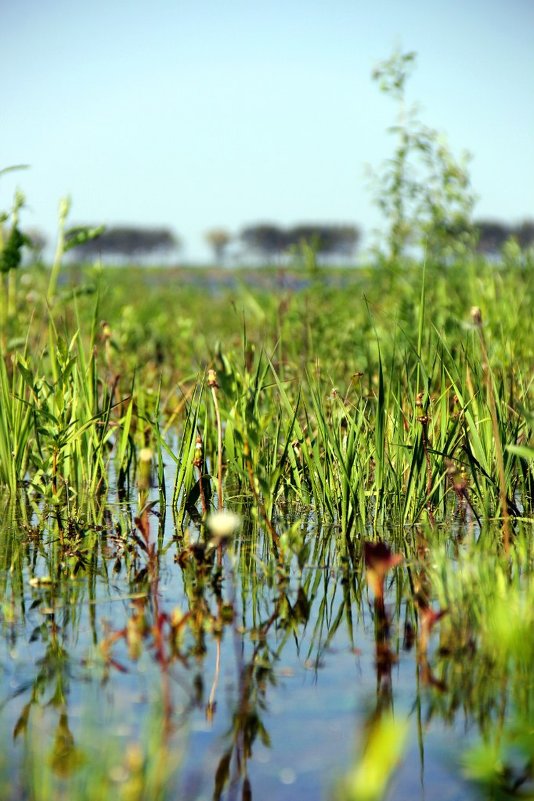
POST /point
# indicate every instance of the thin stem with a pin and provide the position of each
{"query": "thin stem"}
(64, 207)
(477, 319)
(213, 385)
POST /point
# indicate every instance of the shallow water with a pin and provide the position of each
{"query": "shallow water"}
(124, 650)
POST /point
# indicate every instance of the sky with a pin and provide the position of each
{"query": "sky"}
(196, 114)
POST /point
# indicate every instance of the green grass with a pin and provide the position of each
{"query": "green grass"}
(357, 395)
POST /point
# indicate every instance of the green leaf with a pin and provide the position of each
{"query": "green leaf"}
(75, 237)
(521, 450)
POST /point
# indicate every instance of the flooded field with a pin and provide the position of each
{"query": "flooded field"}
(267, 538)
(141, 657)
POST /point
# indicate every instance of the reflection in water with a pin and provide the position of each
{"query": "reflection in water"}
(139, 659)
(379, 560)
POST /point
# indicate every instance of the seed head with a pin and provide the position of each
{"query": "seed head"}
(476, 315)
(223, 524)
(198, 457)
(212, 379)
(145, 455)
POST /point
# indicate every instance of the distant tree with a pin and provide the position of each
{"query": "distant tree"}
(264, 239)
(218, 239)
(492, 234)
(525, 233)
(128, 241)
(326, 239)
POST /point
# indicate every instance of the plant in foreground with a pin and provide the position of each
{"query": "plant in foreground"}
(381, 751)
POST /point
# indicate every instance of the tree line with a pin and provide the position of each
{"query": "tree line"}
(423, 191)
(262, 240)
(494, 234)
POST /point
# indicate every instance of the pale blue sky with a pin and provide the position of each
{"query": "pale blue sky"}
(202, 113)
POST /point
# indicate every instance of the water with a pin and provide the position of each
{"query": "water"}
(126, 655)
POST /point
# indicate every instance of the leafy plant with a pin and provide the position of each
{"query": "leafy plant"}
(423, 191)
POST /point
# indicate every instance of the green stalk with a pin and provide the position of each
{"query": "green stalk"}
(477, 319)
(213, 385)
(64, 208)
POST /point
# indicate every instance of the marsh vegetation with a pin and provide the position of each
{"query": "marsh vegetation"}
(370, 607)
(268, 533)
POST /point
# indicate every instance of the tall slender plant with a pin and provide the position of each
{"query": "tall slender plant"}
(423, 190)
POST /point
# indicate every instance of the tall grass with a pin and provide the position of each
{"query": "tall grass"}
(410, 416)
